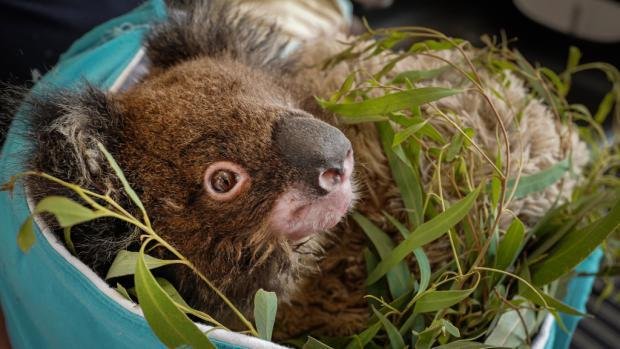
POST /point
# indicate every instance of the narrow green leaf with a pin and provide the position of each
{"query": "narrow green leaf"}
(423, 262)
(450, 328)
(352, 120)
(125, 263)
(399, 279)
(436, 300)
(424, 234)
(123, 291)
(463, 344)
(313, 343)
(360, 341)
(539, 181)
(434, 45)
(528, 293)
(510, 245)
(426, 338)
(265, 307)
(68, 241)
(396, 340)
(418, 75)
(574, 248)
(390, 103)
(121, 176)
(344, 88)
(169, 323)
(402, 136)
(605, 107)
(26, 237)
(67, 212)
(405, 175)
(171, 291)
(509, 330)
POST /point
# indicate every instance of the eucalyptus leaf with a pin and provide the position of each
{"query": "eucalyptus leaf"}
(399, 278)
(25, 236)
(67, 212)
(466, 345)
(421, 258)
(510, 246)
(125, 263)
(313, 343)
(396, 340)
(171, 291)
(434, 300)
(390, 102)
(539, 181)
(121, 176)
(167, 321)
(265, 307)
(360, 340)
(404, 174)
(424, 234)
(418, 75)
(123, 291)
(574, 248)
(605, 107)
(510, 330)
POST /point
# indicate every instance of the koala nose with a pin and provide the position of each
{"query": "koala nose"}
(320, 153)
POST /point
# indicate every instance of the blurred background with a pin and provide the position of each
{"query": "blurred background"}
(33, 33)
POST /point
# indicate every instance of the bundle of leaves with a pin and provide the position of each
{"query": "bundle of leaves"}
(502, 277)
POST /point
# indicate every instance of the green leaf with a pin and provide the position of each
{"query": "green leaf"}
(396, 340)
(450, 328)
(265, 307)
(574, 248)
(171, 291)
(509, 331)
(313, 343)
(426, 338)
(26, 237)
(67, 212)
(510, 245)
(424, 234)
(605, 107)
(528, 293)
(68, 241)
(399, 279)
(418, 75)
(402, 136)
(423, 262)
(435, 300)
(540, 180)
(360, 341)
(463, 344)
(389, 103)
(123, 291)
(125, 263)
(169, 323)
(434, 45)
(406, 177)
(121, 176)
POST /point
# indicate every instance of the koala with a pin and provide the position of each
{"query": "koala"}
(244, 173)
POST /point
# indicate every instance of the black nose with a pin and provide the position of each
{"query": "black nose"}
(319, 152)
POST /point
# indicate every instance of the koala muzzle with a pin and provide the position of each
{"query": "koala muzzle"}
(320, 153)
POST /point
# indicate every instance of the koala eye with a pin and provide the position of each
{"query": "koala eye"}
(224, 180)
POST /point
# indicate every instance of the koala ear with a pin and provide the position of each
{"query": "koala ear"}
(65, 128)
(215, 28)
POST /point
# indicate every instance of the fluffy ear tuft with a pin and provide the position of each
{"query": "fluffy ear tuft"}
(216, 28)
(65, 128)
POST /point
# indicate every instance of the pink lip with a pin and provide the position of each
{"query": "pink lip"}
(297, 215)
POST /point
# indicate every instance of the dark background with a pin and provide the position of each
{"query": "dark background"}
(33, 33)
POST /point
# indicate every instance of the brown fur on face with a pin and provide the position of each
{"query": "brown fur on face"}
(178, 122)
